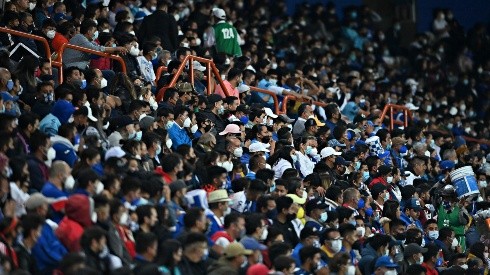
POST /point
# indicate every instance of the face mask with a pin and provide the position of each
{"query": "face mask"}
(387, 196)
(365, 175)
(336, 245)
(244, 119)
(131, 135)
(308, 150)
(323, 217)
(159, 150)
(351, 270)
(433, 235)
(369, 212)
(187, 123)
(123, 220)
(357, 165)
(103, 83)
(96, 35)
(10, 84)
(51, 154)
(221, 110)
(389, 179)
(69, 182)
(353, 222)
(264, 234)
(169, 124)
(485, 254)
(194, 128)
(50, 34)
(391, 272)
(295, 158)
(361, 231)
(228, 165)
(314, 152)
(99, 187)
(32, 5)
(454, 243)
(271, 214)
(205, 254)
(83, 85)
(168, 143)
(238, 152)
(387, 252)
(154, 56)
(138, 136)
(483, 184)
(134, 51)
(273, 82)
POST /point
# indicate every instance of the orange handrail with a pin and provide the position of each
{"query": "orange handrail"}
(396, 108)
(210, 68)
(159, 72)
(273, 95)
(31, 36)
(87, 50)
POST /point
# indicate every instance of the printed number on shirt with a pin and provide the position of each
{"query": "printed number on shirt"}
(228, 33)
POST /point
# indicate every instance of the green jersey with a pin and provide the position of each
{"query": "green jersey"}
(226, 37)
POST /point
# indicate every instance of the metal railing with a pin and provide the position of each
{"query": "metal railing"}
(90, 51)
(159, 72)
(288, 98)
(43, 40)
(391, 108)
(273, 95)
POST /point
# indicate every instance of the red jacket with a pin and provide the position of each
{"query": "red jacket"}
(77, 217)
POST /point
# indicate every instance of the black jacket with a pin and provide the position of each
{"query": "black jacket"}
(160, 24)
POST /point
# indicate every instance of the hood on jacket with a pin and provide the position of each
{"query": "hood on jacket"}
(62, 140)
(79, 208)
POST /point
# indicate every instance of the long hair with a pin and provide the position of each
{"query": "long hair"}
(122, 80)
(283, 153)
(26, 69)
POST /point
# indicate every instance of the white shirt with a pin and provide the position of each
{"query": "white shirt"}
(306, 166)
(280, 167)
(20, 198)
(238, 200)
(146, 68)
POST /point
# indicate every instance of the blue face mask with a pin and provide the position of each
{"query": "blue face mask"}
(323, 217)
(273, 187)
(10, 85)
(361, 204)
(365, 175)
(357, 165)
(244, 119)
(369, 212)
(84, 84)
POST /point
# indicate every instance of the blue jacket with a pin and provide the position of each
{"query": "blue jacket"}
(178, 136)
(48, 250)
(295, 254)
(64, 150)
(408, 221)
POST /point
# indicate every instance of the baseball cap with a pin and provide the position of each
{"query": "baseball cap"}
(377, 189)
(124, 121)
(114, 152)
(328, 151)
(218, 196)
(318, 122)
(385, 261)
(341, 161)
(230, 129)
(36, 200)
(197, 66)
(446, 164)
(414, 204)
(315, 204)
(252, 244)
(236, 249)
(412, 249)
(257, 147)
(219, 13)
(146, 122)
(308, 231)
(269, 112)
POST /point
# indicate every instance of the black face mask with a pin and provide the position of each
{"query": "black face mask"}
(266, 139)
(401, 236)
(271, 214)
(207, 128)
(290, 217)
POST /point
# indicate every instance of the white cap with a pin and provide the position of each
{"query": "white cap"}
(220, 13)
(411, 107)
(115, 151)
(257, 147)
(411, 82)
(251, 68)
(197, 66)
(269, 112)
(243, 88)
(90, 115)
(328, 151)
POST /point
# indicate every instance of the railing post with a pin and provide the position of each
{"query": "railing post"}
(191, 70)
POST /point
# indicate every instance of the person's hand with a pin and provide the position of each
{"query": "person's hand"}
(166, 192)
(122, 50)
(321, 191)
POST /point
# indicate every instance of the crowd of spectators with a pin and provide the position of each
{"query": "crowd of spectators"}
(110, 170)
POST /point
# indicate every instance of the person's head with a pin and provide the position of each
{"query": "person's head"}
(170, 253)
(147, 215)
(89, 180)
(31, 228)
(351, 196)
(479, 249)
(147, 245)
(346, 215)
(131, 188)
(89, 29)
(195, 247)
(216, 176)
(446, 235)
(284, 207)
(431, 229)
(310, 257)
(284, 264)
(101, 208)
(459, 259)
(432, 253)
(234, 224)
(255, 226)
(195, 218)
(172, 164)
(94, 239)
(380, 243)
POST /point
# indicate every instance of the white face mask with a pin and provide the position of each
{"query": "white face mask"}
(465, 266)
(51, 154)
(124, 219)
(238, 152)
(485, 254)
(194, 128)
(361, 231)
(264, 234)
(103, 83)
(134, 51)
(351, 270)
(99, 187)
(433, 235)
(336, 245)
(228, 165)
(455, 243)
(421, 260)
(389, 179)
(50, 34)
(391, 272)
(168, 143)
(69, 182)
(187, 123)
